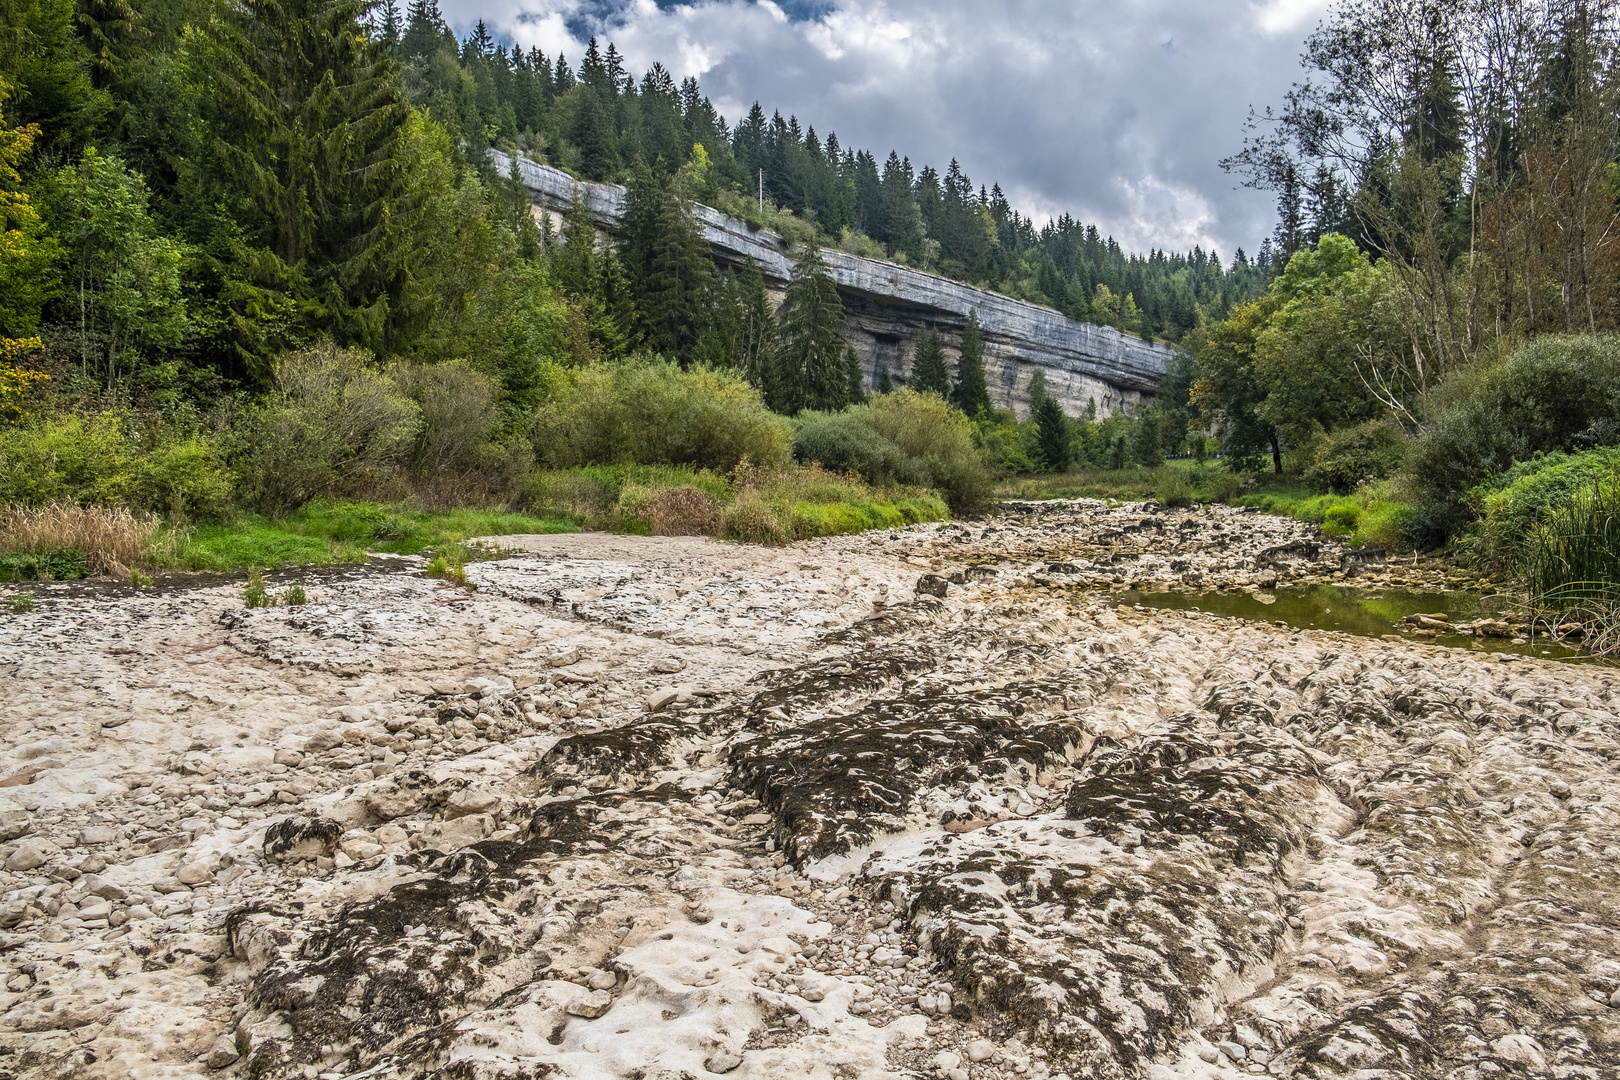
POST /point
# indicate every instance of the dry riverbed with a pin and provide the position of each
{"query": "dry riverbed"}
(918, 804)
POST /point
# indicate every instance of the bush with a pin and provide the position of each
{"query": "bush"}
(1573, 556)
(1348, 458)
(753, 520)
(107, 460)
(1555, 394)
(1513, 505)
(334, 422)
(847, 442)
(460, 415)
(653, 413)
(1175, 490)
(939, 442)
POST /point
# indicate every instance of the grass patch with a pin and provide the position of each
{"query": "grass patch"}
(755, 504)
(1175, 483)
(331, 534)
(1369, 515)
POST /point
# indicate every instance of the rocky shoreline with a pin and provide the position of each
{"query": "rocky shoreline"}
(923, 803)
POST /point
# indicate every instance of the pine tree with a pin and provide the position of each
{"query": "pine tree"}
(667, 262)
(928, 374)
(311, 116)
(755, 350)
(593, 135)
(425, 31)
(971, 394)
(811, 357)
(1052, 429)
(852, 362)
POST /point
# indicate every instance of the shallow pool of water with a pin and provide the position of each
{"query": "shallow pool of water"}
(1366, 612)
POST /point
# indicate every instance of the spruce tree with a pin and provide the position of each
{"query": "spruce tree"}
(852, 362)
(755, 350)
(1052, 429)
(885, 384)
(928, 374)
(667, 262)
(811, 356)
(310, 117)
(971, 394)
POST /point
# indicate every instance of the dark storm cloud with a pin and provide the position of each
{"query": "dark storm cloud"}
(1114, 112)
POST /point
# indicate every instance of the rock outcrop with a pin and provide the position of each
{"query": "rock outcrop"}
(888, 304)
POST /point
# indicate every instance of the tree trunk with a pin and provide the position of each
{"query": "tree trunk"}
(1276, 454)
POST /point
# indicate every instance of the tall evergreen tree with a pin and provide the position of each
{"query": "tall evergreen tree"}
(811, 355)
(928, 374)
(1052, 432)
(971, 393)
(425, 31)
(667, 262)
(852, 364)
(755, 351)
(309, 116)
(885, 384)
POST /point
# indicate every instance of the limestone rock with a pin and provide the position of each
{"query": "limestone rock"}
(471, 801)
(722, 1061)
(223, 1053)
(596, 1004)
(14, 823)
(31, 853)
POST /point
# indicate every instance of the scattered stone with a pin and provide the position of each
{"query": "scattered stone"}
(980, 1050)
(722, 1062)
(14, 823)
(596, 1004)
(223, 1053)
(932, 585)
(32, 853)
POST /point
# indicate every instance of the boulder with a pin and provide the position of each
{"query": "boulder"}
(14, 823)
(471, 801)
(32, 853)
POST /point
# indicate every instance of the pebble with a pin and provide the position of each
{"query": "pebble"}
(980, 1050)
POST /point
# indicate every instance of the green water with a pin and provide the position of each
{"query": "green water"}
(1367, 612)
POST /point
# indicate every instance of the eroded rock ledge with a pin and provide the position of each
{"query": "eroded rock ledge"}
(888, 304)
(646, 807)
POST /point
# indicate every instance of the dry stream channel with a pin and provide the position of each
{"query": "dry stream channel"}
(1075, 790)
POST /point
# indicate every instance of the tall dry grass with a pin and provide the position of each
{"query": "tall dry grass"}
(112, 541)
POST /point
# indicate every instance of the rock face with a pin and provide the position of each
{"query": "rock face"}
(887, 304)
(1018, 830)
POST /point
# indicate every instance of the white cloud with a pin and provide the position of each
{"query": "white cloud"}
(1075, 106)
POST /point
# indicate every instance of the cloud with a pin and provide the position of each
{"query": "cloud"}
(1115, 112)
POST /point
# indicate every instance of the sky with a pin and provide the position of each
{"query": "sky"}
(1115, 111)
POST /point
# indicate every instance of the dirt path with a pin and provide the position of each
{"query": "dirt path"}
(654, 807)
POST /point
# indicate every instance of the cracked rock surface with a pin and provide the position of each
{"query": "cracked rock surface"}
(673, 808)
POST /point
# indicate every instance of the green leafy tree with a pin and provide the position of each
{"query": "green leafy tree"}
(1229, 392)
(971, 393)
(124, 275)
(27, 251)
(928, 374)
(1053, 437)
(810, 357)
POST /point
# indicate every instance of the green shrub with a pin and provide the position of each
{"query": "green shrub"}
(1512, 505)
(58, 564)
(335, 421)
(21, 603)
(1175, 490)
(847, 442)
(107, 460)
(653, 413)
(255, 595)
(1345, 459)
(1555, 394)
(937, 440)
(753, 520)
